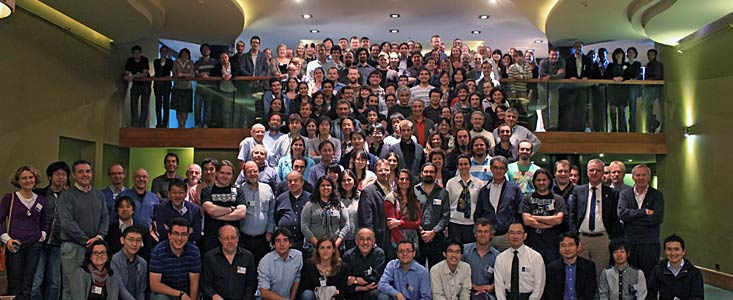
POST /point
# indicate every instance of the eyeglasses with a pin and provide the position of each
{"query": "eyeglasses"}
(179, 234)
(99, 253)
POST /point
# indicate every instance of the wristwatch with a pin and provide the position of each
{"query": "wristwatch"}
(233, 208)
(180, 294)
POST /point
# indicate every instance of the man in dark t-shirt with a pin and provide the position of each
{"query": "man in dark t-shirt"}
(138, 66)
(222, 205)
(543, 213)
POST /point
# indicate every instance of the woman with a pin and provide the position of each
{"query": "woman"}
(500, 116)
(182, 100)
(291, 93)
(403, 212)
(446, 113)
(459, 122)
(94, 280)
(437, 158)
(531, 63)
(445, 87)
(444, 128)
(324, 215)
(279, 64)
(394, 162)
(360, 169)
(347, 127)
(314, 84)
(618, 94)
(455, 58)
(311, 128)
(24, 228)
(507, 60)
(435, 141)
(445, 66)
(300, 51)
(459, 77)
(302, 96)
(389, 100)
(324, 269)
(350, 200)
(285, 165)
(634, 90)
(498, 98)
(320, 107)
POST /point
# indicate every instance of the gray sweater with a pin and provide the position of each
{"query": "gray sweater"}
(82, 215)
(81, 284)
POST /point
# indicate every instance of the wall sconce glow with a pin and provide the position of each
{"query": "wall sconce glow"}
(538, 41)
(601, 155)
(688, 131)
(7, 7)
(680, 51)
(631, 160)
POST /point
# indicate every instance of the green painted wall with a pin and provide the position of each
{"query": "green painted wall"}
(151, 159)
(695, 176)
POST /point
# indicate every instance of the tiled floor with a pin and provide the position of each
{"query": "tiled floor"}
(714, 293)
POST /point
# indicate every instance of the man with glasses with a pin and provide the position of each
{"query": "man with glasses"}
(175, 265)
(366, 264)
(129, 266)
(259, 221)
(403, 277)
(290, 203)
(502, 206)
(520, 271)
(563, 186)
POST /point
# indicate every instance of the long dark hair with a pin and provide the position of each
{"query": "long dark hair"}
(412, 206)
(335, 258)
(316, 195)
(363, 155)
(90, 251)
(354, 189)
(295, 139)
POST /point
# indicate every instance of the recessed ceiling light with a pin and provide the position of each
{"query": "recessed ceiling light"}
(307, 16)
(483, 17)
(538, 41)
(394, 30)
(475, 31)
(315, 31)
(394, 15)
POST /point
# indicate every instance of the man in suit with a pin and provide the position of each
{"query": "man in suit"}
(641, 208)
(371, 205)
(593, 216)
(572, 113)
(583, 282)
(501, 209)
(411, 154)
(254, 62)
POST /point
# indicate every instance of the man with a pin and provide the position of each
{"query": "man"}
(136, 67)
(239, 54)
(124, 211)
(575, 174)
(641, 209)
(83, 219)
(573, 112)
(175, 265)
(412, 154)
(129, 267)
(289, 205)
(353, 78)
(48, 272)
(245, 146)
(481, 257)
(160, 183)
(267, 174)
(366, 265)
(362, 55)
(422, 89)
(273, 133)
(299, 164)
(417, 65)
(278, 275)
(326, 148)
(371, 205)
(354, 43)
(433, 109)
(193, 178)
(403, 103)
(321, 61)
(116, 174)
(228, 271)
(519, 132)
(593, 215)
(358, 145)
(145, 201)
(675, 277)
(423, 126)
(543, 212)
(434, 216)
(259, 222)
(563, 185)
(343, 111)
(621, 280)
(462, 140)
(436, 43)
(208, 176)
(403, 277)
(598, 92)
(204, 95)
(480, 159)
(654, 71)
(522, 171)
(275, 92)
(618, 172)
(222, 204)
(451, 279)
(607, 175)
(520, 271)
(551, 68)
(176, 207)
(281, 147)
(502, 206)
(477, 118)
(571, 277)
(254, 62)
(504, 147)
(388, 75)
(162, 68)
(463, 196)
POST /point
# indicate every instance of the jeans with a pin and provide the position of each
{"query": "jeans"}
(48, 274)
(162, 104)
(550, 105)
(634, 93)
(203, 99)
(649, 94)
(139, 94)
(21, 267)
(308, 295)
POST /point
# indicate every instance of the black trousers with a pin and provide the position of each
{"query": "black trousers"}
(461, 233)
(162, 104)
(139, 95)
(645, 257)
(21, 267)
(258, 245)
(432, 252)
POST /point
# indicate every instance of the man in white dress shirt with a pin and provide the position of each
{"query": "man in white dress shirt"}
(519, 273)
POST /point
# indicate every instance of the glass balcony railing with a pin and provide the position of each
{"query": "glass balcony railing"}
(590, 105)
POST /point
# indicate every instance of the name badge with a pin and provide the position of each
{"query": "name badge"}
(184, 210)
(437, 201)
(334, 213)
(234, 191)
(251, 203)
(410, 288)
(322, 280)
(39, 207)
(525, 269)
(96, 290)
(489, 269)
(551, 206)
(369, 271)
(242, 270)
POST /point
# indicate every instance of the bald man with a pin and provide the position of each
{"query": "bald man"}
(145, 201)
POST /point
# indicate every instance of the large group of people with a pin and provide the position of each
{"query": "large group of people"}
(372, 78)
(390, 175)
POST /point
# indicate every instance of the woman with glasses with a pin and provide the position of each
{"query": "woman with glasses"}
(94, 280)
(324, 215)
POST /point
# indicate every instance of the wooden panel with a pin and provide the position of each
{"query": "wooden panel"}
(588, 81)
(717, 278)
(552, 142)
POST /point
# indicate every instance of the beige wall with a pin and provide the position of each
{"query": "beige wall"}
(696, 175)
(52, 84)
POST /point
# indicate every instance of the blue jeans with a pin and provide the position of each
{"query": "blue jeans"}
(48, 274)
(308, 295)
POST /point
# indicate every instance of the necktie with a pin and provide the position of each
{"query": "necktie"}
(464, 201)
(514, 294)
(620, 285)
(592, 219)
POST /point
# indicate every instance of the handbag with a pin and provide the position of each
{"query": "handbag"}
(7, 229)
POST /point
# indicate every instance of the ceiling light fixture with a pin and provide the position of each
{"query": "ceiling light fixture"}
(483, 17)
(315, 31)
(394, 30)
(307, 16)
(7, 7)
(538, 41)
(394, 15)
(475, 31)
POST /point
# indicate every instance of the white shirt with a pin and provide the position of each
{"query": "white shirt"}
(454, 189)
(640, 196)
(531, 273)
(585, 227)
(495, 193)
(448, 285)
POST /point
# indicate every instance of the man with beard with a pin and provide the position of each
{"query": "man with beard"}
(411, 154)
(480, 159)
(434, 216)
(462, 139)
(563, 186)
(363, 65)
(504, 147)
(160, 183)
(371, 205)
(519, 132)
(522, 171)
(543, 213)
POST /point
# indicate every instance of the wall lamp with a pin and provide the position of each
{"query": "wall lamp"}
(7, 8)
(688, 131)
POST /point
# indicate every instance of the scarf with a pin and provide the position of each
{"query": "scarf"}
(99, 278)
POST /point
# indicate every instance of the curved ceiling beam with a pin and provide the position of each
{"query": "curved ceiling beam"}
(655, 10)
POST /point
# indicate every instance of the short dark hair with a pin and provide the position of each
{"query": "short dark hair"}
(58, 165)
(436, 91)
(254, 37)
(674, 238)
(569, 235)
(617, 244)
(129, 200)
(406, 242)
(177, 182)
(204, 45)
(169, 155)
(209, 160)
(136, 48)
(272, 80)
(652, 50)
(80, 162)
(463, 156)
(451, 242)
(178, 221)
(281, 231)
(131, 229)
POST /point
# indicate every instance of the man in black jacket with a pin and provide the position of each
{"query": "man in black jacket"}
(572, 111)
(675, 277)
(371, 205)
(582, 273)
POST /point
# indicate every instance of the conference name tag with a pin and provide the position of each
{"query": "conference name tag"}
(96, 290)
(437, 201)
(242, 270)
